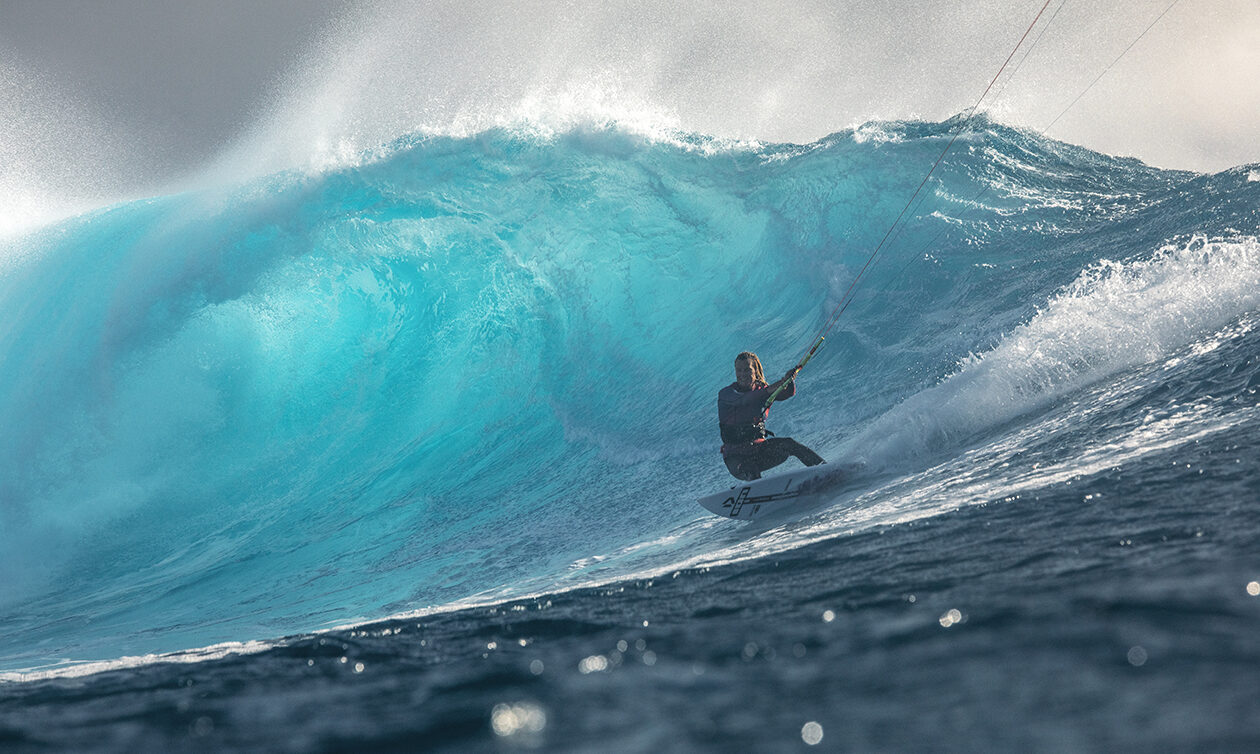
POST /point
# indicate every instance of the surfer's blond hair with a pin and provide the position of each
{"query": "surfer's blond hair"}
(759, 376)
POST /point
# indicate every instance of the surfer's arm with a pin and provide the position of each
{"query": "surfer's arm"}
(788, 392)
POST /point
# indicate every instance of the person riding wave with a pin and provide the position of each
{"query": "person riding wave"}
(748, 448)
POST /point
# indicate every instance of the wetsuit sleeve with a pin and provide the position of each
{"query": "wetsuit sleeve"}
(788, 391)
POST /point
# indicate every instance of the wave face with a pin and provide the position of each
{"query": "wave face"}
(476, 368)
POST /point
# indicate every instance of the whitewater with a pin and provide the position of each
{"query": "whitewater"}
(411, 441)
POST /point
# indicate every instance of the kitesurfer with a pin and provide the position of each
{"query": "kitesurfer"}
(746, 446)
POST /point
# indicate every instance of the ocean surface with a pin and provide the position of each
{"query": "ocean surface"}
(402, 453)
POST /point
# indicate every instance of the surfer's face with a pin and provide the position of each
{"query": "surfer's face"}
(744, 374)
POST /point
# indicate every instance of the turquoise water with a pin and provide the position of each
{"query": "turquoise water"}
(468, 369)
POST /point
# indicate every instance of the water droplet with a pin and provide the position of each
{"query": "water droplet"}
(522, 717)
(811, 733)
(593, 664)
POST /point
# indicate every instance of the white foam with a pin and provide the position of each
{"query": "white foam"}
(875, 133)
(188, 656)
(1114, 316)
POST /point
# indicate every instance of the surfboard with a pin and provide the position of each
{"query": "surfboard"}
(776, 493)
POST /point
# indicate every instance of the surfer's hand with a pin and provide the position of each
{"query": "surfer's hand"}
(791, 375)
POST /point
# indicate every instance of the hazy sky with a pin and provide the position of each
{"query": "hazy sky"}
(99, 97)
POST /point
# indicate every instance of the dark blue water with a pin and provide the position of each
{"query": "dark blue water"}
(457, 399)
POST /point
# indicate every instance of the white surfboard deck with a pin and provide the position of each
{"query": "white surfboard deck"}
(749, 500)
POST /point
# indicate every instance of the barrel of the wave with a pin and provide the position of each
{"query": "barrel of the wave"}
(796, 370)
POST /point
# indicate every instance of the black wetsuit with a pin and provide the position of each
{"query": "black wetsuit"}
(745, 446)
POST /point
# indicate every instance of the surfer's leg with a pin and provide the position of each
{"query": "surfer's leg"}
(769, 453)
(765, 455)
(804, 454)
(741, 469)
